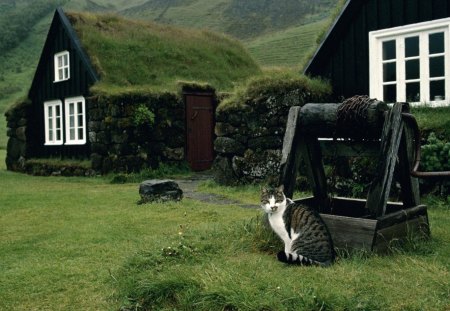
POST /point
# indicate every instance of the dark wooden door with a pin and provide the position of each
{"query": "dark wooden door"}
(200, 131)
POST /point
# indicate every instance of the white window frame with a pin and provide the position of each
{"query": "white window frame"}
(51, 129)
(75, 126)
(64, 68)
(376, 39)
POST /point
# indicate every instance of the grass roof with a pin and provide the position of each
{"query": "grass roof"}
(128, 53)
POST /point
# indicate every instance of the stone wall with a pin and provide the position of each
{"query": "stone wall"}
(122, 142)
(250, 127)
(120, 138)
(16, 119)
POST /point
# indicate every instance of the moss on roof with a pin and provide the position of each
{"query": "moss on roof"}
(129, 53)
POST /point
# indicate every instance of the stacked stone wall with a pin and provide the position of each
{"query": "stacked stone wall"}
(250, 136)
(120, 144)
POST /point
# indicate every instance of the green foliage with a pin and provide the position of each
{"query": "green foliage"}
(136, 53)
(435, 155)
(143, 116)
(16, 23)
(282, 48)
(435, 120)
(276, 83)
(331, 20)
(164, 170)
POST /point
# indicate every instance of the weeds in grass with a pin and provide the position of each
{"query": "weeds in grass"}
(162, 171)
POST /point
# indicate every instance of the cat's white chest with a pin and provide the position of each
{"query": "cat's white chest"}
(278, 225)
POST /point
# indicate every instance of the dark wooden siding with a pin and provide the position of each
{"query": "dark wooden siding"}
(343, 57)
(44, 89)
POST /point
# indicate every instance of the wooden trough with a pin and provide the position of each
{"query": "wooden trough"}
(382, 133)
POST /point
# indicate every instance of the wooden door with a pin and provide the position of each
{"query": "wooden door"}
(199, 131)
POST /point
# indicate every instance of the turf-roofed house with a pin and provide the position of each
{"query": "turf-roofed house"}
(392, 50)
(122, 95)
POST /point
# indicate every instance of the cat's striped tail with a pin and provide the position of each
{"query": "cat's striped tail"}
(301, 260)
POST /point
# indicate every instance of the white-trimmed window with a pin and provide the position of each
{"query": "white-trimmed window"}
(75, 118)
(53, 122)
(62, 66)
(411, 63)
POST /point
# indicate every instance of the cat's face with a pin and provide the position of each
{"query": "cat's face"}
(272, 199)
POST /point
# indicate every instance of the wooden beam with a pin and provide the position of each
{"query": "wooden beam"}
(290, 156)
(350, 232)
(348, 148)
(409, 184)
(312, 157)
(390, 141)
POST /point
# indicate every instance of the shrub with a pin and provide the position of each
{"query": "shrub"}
(143, 116)
(435, 154)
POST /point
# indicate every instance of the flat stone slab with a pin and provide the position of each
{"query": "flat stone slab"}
(159, 190)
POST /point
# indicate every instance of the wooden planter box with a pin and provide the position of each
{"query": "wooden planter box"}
(351, 228)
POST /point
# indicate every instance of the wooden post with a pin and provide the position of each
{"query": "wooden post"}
(408, 183)
(312, 157)
(390, 140)
(290, 157)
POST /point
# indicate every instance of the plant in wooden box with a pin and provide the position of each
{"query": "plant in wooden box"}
(360, 126)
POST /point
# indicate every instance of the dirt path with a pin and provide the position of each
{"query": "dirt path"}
(189, 186)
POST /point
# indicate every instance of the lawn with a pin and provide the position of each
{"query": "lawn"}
(84, 244)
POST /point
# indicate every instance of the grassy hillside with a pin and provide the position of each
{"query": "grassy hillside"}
(287, 47)
(17, 67)
(242, 19)
(136, 53)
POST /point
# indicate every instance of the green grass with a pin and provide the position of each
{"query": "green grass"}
(288, 47)
(131, 53)
(435, 120)
(84, 244)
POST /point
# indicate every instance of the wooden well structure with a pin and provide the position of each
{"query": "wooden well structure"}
(373, 130)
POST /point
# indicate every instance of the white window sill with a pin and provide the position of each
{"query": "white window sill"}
(75, 143)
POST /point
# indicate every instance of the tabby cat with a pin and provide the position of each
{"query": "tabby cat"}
(305, 235)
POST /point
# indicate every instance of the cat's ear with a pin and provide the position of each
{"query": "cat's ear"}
(281, 188)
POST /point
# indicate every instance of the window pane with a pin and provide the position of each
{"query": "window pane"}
(390, 93)
(71, 122)
(437, 68)
(60, 62)
(66, 73)
(50, 111)
(436, 43)
(413, 92)
(71, 108)
(58, 135)
(412, 46)
(79, 107)
(412, 69)
(72, 134)
(58, 123)
(66, 61)
(80, 134)
(58, 111)
(50, 135)
(389, 50)
(80, 120)
(389, 72)
(60, 74)
(437, 90)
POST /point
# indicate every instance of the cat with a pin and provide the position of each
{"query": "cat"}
(306, 238)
